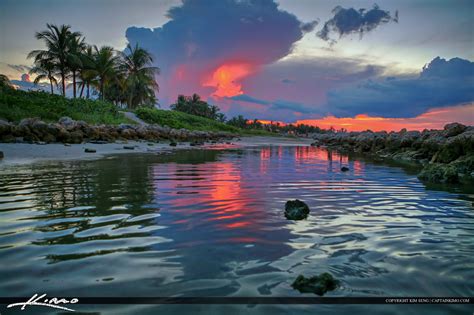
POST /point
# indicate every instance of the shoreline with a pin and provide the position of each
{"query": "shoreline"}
(27, 153)
(444, 156)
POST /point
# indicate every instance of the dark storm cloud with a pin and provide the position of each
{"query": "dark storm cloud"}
(441, 83)
(199, 38)
(274, 105)
(309, 27)
(293, 106)
(249, 99)
(348, 21)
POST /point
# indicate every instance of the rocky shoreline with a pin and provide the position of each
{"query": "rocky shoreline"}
(446, 156)
(67, 130)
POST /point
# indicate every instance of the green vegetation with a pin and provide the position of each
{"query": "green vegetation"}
(176, 119)
(16, 105)
(123, 78)
(194, 105)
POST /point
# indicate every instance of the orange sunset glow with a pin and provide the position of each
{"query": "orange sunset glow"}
(433, 119)
(225, 77)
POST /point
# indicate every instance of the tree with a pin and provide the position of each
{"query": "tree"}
(238, 121)
(44, 69)
(194, 105)
(74, 58)
(87, 73)
(105, 67)
(58, 43)
(137, 65)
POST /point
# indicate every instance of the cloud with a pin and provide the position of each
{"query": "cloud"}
(287, 81)
(293, 106)
(249, 99)
(309, 27)
(348, 21)
(432, 119)
(20, 68)
(274, 105)
(441, 83)
(201, 39)
(25, 77)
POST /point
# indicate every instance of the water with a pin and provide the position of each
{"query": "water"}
(211, 223)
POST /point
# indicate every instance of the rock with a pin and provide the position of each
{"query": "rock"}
(67, 122)
(5, 127)
(173, 144)
(75, 137)
(67, 144)
(439, 173)
(296, 210)
(344, 169)
(99, 142)
(1, 155)
(128, 147)
(317, 284)
(88, 150)
(454, 129)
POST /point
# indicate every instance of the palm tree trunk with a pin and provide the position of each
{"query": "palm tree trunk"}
(74, 83)
(51, 85)
(63, 83)
(88, 85)
(82, 89)
(101, 90)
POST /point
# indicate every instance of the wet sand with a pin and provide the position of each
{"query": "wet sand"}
(24, 153)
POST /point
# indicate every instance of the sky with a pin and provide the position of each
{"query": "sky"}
(347, 64)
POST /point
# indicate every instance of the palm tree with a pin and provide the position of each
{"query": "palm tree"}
(87, 73)
(105, 66)
(44, 69)
(74, 60)
(58, 43)
(137, 65)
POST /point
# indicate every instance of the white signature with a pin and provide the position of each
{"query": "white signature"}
(40, 300)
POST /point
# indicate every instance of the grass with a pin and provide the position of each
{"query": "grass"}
(16, 105)
(175, 119)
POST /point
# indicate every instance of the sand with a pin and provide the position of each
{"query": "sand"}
(25, 153)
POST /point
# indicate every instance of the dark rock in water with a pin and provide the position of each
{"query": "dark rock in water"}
(1, 155)
(344, 169)
(128, 147)
(228, 142)
(88, 150)
(296, 210)
(173, 144)
(317, 284)
(67, 144)
(150, 144)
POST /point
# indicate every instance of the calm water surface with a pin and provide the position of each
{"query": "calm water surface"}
(211, 223)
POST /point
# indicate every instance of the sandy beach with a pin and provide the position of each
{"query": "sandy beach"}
(24, 153)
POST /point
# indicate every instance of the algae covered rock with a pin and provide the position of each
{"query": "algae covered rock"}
(296, 210)
(439, 173)
(317, 284)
